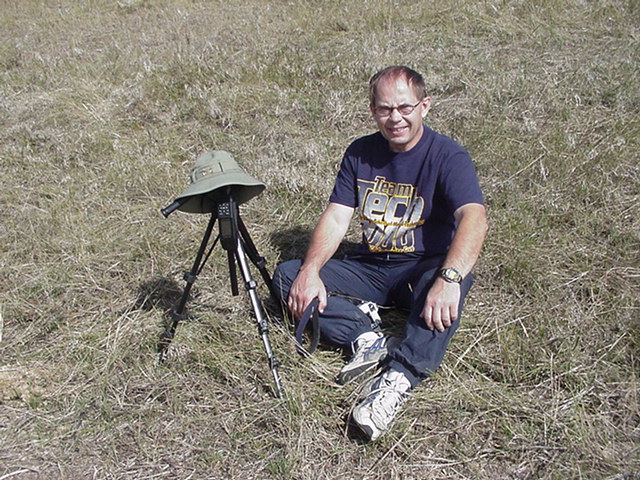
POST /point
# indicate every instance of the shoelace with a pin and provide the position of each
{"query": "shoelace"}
(376, 346)
(387, 397)
(364, 352)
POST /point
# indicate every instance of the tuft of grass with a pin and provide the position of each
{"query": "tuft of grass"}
(104, 107)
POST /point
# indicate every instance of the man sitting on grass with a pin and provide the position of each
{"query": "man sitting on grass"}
(423, 225)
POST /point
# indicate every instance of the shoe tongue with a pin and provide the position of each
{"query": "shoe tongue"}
(398, 380)
(367, 337)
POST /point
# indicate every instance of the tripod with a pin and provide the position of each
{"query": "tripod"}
(235, 240)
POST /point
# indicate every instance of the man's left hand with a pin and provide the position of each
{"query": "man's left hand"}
(441, 306)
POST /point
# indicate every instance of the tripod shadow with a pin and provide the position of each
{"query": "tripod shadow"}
(159, 293)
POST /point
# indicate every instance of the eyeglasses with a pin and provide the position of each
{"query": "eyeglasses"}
(403, 110)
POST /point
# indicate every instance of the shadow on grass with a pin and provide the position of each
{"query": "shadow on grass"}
(158, 293)
(293, 243)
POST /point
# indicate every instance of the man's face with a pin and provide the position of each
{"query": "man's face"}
(401, 131)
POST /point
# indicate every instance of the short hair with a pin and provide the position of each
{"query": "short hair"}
(413, 79)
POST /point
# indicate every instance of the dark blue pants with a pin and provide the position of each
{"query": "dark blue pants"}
(390, 280)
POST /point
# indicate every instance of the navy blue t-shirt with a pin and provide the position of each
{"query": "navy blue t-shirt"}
(405, 201)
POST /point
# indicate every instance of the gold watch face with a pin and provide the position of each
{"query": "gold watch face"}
(451, 275)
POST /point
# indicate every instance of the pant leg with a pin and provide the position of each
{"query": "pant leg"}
(422, 350)
(342, 321)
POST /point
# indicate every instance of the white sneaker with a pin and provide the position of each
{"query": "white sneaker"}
(384, 399)
(370, 349)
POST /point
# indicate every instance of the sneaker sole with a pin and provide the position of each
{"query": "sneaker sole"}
(345, 377)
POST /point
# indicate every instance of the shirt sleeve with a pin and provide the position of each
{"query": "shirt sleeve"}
(345, 191)
(459, 181)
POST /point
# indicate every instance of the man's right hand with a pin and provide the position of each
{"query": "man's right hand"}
(305, 288)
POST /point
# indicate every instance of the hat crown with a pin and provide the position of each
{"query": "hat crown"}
(213, 163)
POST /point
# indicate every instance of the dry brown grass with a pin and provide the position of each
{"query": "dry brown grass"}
(105, 105)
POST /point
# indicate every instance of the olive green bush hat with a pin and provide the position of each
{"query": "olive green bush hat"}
(210, 175)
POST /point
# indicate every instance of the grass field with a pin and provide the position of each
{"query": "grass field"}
(104, 107)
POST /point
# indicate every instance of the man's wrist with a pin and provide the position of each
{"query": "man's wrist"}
(309, 269)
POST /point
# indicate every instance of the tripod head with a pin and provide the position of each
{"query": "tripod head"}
(228, 223)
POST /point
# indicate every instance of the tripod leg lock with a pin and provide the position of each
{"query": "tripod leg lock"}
(189, 277)
(178, 316)
(251, 285)
(274, 364)
(263, 328)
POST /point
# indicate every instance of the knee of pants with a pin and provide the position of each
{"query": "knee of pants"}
(421, 290)
(342, 322)
(283, 278)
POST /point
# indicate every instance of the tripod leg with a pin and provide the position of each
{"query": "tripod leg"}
(263, 328)
(190, 277)
(252, 252)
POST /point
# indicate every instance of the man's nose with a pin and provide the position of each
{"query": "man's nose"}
(395, 115)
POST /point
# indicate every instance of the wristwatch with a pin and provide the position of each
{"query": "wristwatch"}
(451, 275)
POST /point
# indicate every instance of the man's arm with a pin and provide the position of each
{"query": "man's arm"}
(441, 306)
(326, 238)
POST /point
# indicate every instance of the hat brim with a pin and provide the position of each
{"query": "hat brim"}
(200, 199)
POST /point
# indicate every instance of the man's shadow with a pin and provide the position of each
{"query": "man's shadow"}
(292, 244)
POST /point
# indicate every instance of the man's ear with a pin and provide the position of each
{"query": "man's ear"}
(426, 106)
